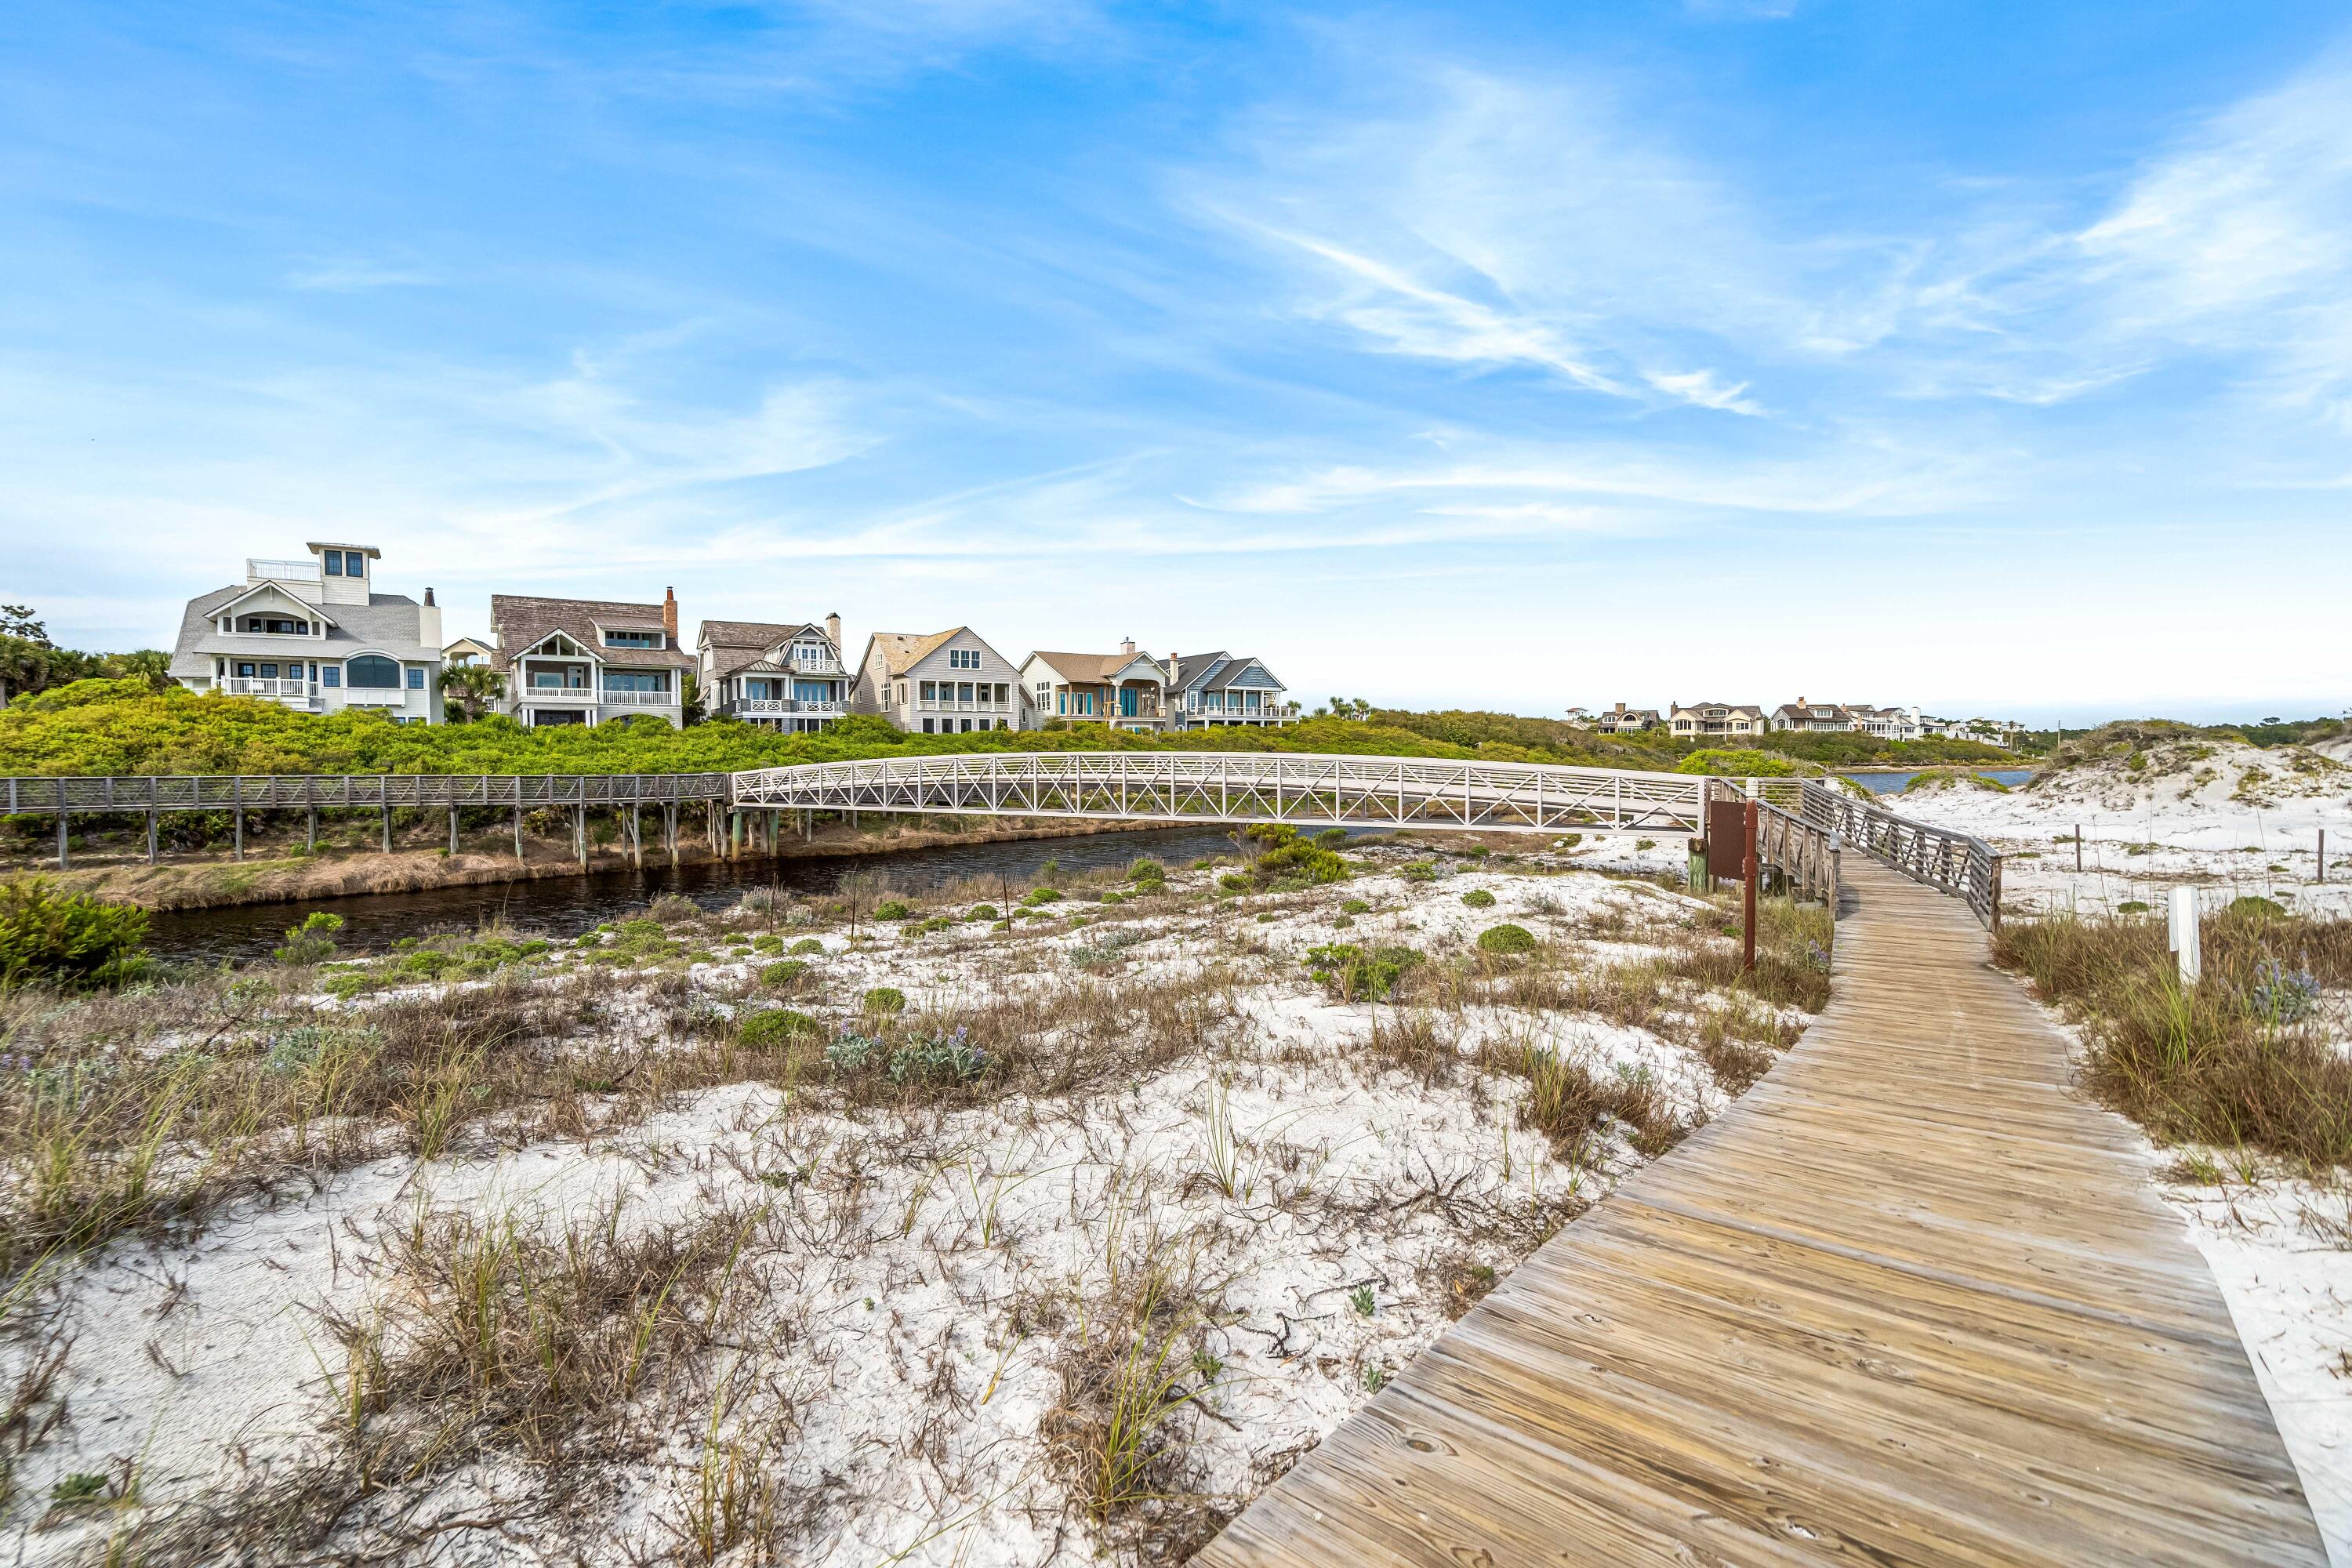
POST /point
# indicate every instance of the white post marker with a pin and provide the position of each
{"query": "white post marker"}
(2182, 931)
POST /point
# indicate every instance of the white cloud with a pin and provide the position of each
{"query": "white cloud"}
(1493, 223)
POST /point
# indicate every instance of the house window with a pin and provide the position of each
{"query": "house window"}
(331, 676)
(244, 671)
(928, 689)
(967, 726)
(964, 659)
(633, 639)
(374, 672)
(334, 563)
(269, 672)
(927, 726)
(416, 678)
(635, 680)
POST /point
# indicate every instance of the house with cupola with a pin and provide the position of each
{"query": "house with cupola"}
(314, 635)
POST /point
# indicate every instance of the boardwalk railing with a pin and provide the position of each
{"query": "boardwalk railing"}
(1243, 786)
(1957, 863)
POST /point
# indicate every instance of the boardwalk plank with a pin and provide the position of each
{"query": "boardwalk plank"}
(1908, 1301)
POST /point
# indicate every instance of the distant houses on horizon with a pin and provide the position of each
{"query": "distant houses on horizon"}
(315, 635)
(1749, 722)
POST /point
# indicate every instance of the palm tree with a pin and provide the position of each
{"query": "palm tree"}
(153, 666)
(472, 687)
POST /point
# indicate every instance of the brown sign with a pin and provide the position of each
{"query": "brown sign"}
(1727, 839)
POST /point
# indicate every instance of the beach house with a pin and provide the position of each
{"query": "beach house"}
(589, 661)
(1209, 689)
(315, 636)
(1125, 690)
(779, 675)
(1715, 720)
(936, 683)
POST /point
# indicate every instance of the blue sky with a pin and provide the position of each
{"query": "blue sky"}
(1993, 357)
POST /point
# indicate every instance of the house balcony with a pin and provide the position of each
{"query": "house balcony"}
(1265, 713)
(377, 696)
(956, 705)
(781, 707)
(815, 668)
(293, 693)
(260, 571)
(549, 696)
(622, 697)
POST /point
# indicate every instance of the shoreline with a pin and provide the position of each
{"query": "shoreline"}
(209, 882)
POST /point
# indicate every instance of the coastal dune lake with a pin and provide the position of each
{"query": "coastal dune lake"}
(566, 906)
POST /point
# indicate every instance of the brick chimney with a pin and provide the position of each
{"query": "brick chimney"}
(832, 628)
(669, 614)
(1127, 646)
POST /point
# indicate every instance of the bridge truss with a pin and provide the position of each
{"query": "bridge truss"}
(1243, 787)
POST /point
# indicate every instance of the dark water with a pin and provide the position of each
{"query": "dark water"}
(1894, 783)
(566, 906)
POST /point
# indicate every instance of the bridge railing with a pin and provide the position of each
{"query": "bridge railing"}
(1308, 789)
(42, 796)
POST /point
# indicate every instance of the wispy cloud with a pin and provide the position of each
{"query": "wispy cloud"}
(346, 275)
(1493, 223)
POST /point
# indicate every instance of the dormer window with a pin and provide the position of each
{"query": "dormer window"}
(276, 625)
(334, 563)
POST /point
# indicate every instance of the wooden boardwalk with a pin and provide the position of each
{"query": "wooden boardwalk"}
(1908, 1301)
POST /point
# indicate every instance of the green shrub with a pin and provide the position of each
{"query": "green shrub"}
(1569, 841)
(925, 927)
(1343, 923)
(937, 1058)
(983, 912)
(67, 939)
(1506, 938)
(2256, 906)
(1350, 972)
(768, 943)
(785, 973)
(312, 941)
(1146, 868)
(1234, 883)
(1301, 862)
(1042, 896)
(1355, 907)
(1480, 899)
(892, 910)
(766, 1031)
(1419, 871)
(1737, 764)
(1331, 837)
(808, 944)
(885, 999)
(2131, 907)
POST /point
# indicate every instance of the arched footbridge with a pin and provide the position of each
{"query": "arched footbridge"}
(1910, 1299)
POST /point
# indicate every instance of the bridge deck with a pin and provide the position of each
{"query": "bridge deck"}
(1908, 1301)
